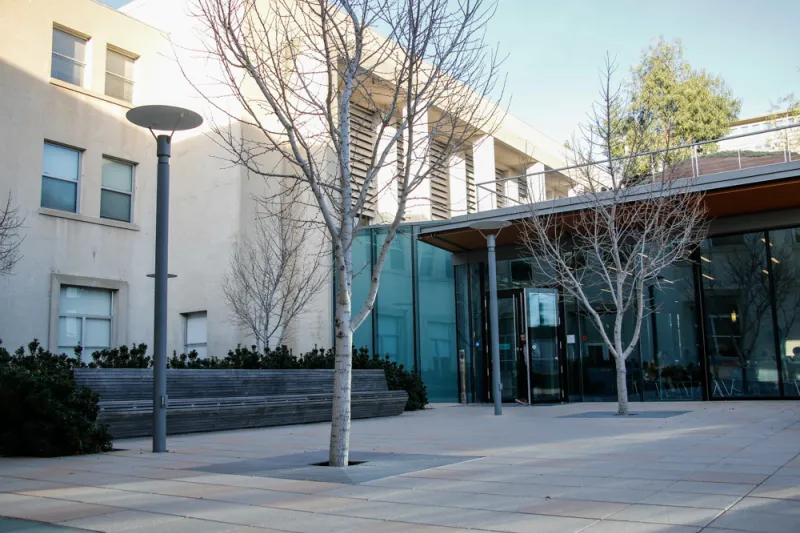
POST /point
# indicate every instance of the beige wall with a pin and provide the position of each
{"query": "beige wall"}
(211, 203)
(209, 199)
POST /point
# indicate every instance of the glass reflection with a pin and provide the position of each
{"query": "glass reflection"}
(437, 325)
(394, 319)
(671, 367)
(785, 265)
(738, 307)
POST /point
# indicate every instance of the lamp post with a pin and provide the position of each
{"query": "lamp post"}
(162, 118)
(490, 229)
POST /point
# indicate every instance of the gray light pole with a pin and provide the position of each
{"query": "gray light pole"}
(489, 229)
(162, 118)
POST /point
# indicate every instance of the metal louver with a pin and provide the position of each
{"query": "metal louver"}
(522, 184)
(500, 188)
(363, 137)
(472, 200)
(440, 181)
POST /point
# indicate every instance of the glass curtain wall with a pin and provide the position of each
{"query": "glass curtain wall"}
(414, 317)
(725, 325)
(671, 368)
(739, 320)
(436, 323)
(394, 305)
(785, 267)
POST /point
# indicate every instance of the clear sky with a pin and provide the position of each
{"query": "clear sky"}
(555, 47)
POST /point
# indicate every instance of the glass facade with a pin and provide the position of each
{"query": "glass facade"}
(414, 318)
(724, 325)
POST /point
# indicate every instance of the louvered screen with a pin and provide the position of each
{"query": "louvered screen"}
(440, 182)
(362, 127)
(522, 184)
(500, 188)
(401, 163)
(472, 200)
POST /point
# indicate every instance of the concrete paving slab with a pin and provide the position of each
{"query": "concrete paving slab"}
(758, 522)
(691, 499)
(575, 508)
(600, 475)
(17, 525)
(612, 526)
(661, 514)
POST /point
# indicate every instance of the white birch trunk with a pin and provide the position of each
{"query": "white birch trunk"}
(339, 452)
(622, 387)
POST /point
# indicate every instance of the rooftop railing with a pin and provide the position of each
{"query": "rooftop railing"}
(732, 152)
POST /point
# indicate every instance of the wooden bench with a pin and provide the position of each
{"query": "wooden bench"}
(216, 400)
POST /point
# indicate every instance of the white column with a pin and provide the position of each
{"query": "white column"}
(418, 206)
(386, 178)
(536, 182)
(483, 160)
(511, 192)
(458, 185)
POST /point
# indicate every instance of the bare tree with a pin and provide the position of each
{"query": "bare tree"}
(10, 239)
(298, 67)
(271, 281)
(624, 236)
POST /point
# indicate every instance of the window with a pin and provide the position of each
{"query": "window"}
(84, 319)
(69, 57)
(196, 332)
(116, 193)
(728, 240)
(60, 171)
(119, 75)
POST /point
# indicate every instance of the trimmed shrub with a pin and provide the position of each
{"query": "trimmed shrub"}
(43, 412)
(122, 357)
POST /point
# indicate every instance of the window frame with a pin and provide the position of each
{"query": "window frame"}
(77, 182)
(188, 347)
(130, 193)
(84, 64)
(134, 58)
(84, 317)
(119, 305)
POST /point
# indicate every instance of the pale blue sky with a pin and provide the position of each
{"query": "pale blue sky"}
(555, 47)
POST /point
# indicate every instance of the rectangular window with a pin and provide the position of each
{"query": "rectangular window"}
(196, 332)
(69, 57)
(84, 319)
(116, 192)
(119, 75)
(60, 171)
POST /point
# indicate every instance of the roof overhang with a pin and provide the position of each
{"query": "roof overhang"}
(727, 194)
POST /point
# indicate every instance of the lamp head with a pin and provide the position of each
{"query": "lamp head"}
(164, 118)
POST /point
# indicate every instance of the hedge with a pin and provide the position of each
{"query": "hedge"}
(43, 411)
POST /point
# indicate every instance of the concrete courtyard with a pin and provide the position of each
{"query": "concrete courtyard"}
(719, 467)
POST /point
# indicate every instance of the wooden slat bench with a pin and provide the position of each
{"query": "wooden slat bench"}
(215, 400)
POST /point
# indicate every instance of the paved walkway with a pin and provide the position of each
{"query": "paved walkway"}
(721, 467)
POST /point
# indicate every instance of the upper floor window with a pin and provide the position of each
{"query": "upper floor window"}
(116, 192)
(69, 57)
(119, 75)
(60, 172)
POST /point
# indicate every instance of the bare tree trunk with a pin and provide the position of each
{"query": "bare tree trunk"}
(339, 453)
(622, 387)
(339, 450)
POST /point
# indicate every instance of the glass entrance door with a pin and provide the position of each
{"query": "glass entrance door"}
(508, 322)
(530, 350)
(542, 328)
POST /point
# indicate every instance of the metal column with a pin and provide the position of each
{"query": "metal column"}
(160, 307)
(497, 394)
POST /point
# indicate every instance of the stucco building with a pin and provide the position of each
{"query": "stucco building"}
(84, 178)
